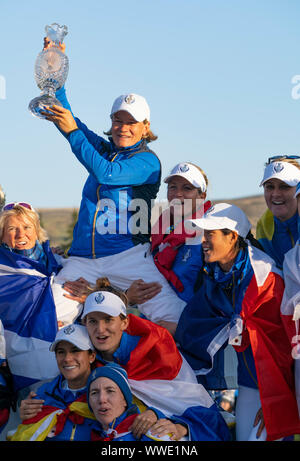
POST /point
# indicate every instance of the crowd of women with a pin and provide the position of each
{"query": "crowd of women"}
(130, 334)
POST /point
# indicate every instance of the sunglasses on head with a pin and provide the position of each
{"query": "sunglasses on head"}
(276, 157)
(12, 205)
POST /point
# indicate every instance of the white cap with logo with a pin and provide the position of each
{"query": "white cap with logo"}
(134, 104)
(222, 216)
(285, 171)
(189, 172)
(75, 334)
(106, 302)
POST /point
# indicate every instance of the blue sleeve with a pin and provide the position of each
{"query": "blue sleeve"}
(97, 141)
(142, 168)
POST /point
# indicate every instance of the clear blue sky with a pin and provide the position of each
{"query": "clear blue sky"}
(217, 75)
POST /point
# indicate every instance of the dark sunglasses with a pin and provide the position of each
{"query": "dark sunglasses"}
(276, 157)
(12, 205)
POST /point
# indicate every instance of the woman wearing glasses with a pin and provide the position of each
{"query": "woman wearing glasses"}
(277, 229)
(32, 306)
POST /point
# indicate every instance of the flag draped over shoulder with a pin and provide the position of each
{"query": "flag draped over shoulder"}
(165, 245)
(260, 322)
(52, 417)
(161, 378)
(290, 307)
(28, 315)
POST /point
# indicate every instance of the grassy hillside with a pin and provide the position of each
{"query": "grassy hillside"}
(59, 221)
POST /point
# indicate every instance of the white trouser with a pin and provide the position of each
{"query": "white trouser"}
(122, 269)
(67, 310)
(247, 405)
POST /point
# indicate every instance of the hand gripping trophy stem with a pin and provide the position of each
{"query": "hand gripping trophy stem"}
(51, 70)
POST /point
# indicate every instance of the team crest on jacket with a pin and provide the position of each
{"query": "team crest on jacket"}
(277, 167)
(129, 99)
(99, 298)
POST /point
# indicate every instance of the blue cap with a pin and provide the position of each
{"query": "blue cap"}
(297, 190)
(117, 374)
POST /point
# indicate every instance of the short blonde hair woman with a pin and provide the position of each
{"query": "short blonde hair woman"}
(25, 216)
(277, 229)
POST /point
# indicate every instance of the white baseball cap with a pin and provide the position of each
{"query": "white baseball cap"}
(222, 216)
(189, 172)
(106, 302)
(285, 171)
(75, 334)
(134, 104)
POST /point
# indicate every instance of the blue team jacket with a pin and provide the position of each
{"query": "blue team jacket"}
(118, 179)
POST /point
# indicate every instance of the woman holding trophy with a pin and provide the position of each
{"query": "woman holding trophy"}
(109, 239)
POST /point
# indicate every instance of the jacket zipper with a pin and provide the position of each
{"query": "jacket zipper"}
(95, 217)
(291, 237)
(73, 432)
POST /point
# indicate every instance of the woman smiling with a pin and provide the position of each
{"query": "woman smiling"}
(58, 410)
(162, 382)
(277, 229)
(238, 303)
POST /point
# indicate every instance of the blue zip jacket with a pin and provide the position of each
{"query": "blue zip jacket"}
(117, 177)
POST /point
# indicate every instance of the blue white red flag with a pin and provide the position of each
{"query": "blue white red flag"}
(28, 315)
(206, 325)
(290, 308)
(161, 378)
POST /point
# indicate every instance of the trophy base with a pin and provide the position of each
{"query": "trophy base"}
(38, 105)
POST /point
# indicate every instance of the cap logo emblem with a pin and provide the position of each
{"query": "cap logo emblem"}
(277, 167)
(129, 99)
(69, 330)
(184, 168)
(99, 298)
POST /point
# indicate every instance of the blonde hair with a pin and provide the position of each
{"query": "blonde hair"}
(23, 213)
(148, 138)
(2, 198)
(202, 172)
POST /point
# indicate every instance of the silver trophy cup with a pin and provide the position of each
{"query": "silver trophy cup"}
(51, 70)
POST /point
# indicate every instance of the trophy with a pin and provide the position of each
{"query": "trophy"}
(51, 70)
